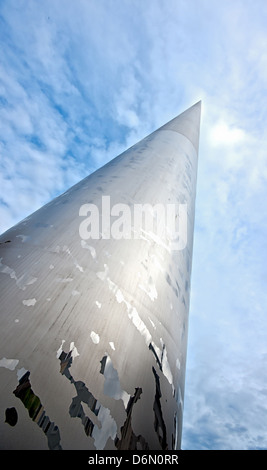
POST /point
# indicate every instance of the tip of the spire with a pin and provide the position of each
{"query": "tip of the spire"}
(196, 105)
(199, 103)
(187, 123)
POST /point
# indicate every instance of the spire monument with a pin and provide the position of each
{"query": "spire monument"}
(94, 304)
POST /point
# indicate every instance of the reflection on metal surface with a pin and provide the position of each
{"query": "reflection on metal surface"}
(36, 411)
(94, 337)
(123, 304)
(90, 248)
(107, 426)
(162, 361)
(129, 441)
(23, 281)
(7, 241)
(29, 302)
(112, 386)
(11, 416)
(10, 364)
(138, 323)
(150, 289)
(159, 423)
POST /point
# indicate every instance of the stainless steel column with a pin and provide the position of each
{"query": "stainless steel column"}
(93, 332)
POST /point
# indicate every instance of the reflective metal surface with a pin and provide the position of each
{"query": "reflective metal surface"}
(93, 333)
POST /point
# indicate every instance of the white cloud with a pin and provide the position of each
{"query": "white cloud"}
(222, 134)
(80, 84)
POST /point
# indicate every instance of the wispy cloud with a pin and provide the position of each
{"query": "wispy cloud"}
(82, 81)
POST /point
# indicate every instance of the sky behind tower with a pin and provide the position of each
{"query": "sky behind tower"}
(80, 82)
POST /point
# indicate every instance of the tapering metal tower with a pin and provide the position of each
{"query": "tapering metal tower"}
(94, 316)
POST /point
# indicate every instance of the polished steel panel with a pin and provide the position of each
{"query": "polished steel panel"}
(93, 332)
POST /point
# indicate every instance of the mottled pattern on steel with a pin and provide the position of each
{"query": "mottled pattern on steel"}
(93, 333)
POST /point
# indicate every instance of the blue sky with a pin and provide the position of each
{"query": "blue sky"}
(81, 81)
